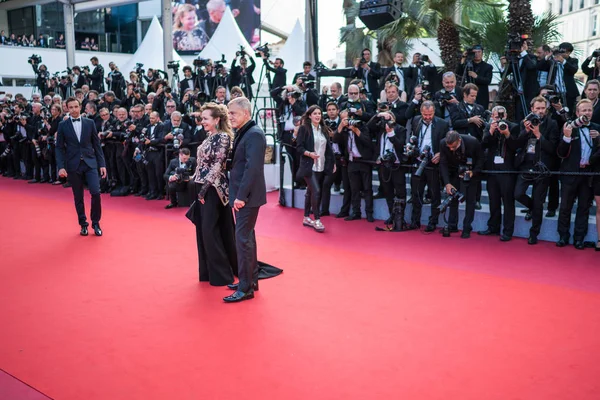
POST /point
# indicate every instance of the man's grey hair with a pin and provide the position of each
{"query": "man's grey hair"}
(214, 5)
(499, 109)
(242, 103)
(175, 114)
(449, 74)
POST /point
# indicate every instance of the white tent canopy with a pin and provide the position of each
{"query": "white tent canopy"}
(293, 51)
(150, 52)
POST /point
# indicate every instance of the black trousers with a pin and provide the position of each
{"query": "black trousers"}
(155, 169)
(393, 183)
(290, 148)
(347, 199)
(430, 178)
(49, 164)
(245, 243)
(326, 192)
(110, 157)
(553, 192)
(361, 178)
(17, 156)
(175, 187)
(4, 161)
(142, 173)
(469, 189)
(92, 178)
(581, 190)
(312, 198)
(123, 165)
(215, 240)
(501, 191)
(36, 162)
(535, 203)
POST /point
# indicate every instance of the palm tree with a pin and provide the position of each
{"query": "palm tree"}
(520, 18)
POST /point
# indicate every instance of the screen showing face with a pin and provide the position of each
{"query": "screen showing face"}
(195, 22)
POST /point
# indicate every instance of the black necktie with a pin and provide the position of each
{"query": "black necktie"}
(75, 119)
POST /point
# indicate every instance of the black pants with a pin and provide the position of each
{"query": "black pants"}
(535, 203)
(312, 198)
(553, 193)
(361, 178)
(431, 178)
(4, 161)
(393, 183)
(175, 187)
(578, 187)
(123, 166)
(290, 147)
(142, 173)
(245, 243)
(155, 169)
(49, 163)
(501, 191)
(36, 162)
(469, 189)
(326, 192)
(215, 240)
(347, 199)
(112, 172)
(93, 181)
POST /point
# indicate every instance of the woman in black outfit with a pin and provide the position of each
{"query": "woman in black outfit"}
(317, 161)
(215, 234)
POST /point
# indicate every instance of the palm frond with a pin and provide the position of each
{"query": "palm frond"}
(545, 29)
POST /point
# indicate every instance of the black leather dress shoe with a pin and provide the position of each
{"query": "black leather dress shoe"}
(465, 234)
(551, 213)
(238, 296)
(84, 231)
(97, 230)
(370, 218)
(151, 196)
(352, 218)
(579, 245)
(505, 238)
(342, 215)
(532, 239)
(451, 230)
(430, 228)
(32, 181)
(170, 205)
(234, 286)
(487, 232)
(413, 227)
(562, 242)
(478, 205)
(325, 214)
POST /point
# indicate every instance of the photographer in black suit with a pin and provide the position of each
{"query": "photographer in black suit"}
(499, 143)
(189, 78)
(333, 94)
(527, 75)
(468, 116)
(155, 157)
(280, 78)
(461, 162)
(536, 144)
(476, 71)
(307, 73)
(369, 72)
(447, 97)
(97, 76)
(242, 75)
(178, 175)
(403, 74)
(562, 69)
(575, 149)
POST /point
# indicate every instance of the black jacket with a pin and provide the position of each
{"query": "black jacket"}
(247, 178)
(185, 85)
(484, 78)
(340, 101)
(501, 146)
(460, 114)
(589, 68)
(97, 79)
(398, 140)
(306, 142)
(156, 137)
(545, 147)
(280, 78)
(438, 132)
(469, 153)
(407, 75)
(570, 153)
(528, 71)
(363, 142)
(441, 106)
(372, 78)
(570, 69)
(190, 167)
(237, 75)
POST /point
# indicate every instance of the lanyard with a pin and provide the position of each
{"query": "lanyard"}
(589, 143)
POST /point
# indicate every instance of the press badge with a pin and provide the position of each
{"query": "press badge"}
(498, 160)
(531, 146)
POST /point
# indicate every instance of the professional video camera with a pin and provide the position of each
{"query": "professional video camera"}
(241, 52)
(221, 63)
(579, 122)
(201, 62)
(514, 44)
(174, 66)
(264, 49)
(534, 119)
(456, 195)
(34, 59)
(469, 57)
(425, 158)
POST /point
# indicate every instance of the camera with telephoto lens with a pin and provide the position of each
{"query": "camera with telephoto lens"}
(177, 138)
(552, 97)
(502, 124)
(389, 159)
(534, 119)
(355, 122)
(307, 81)
(383, 106)
(353, 107)
(382, 123)
(34, 59)
(462, 170)
(181, 175)
(410, 149)
(201, 97)
(514, 44)
(444, 97)
(456, 196)
(241, 52)
(579, 122)
(425, 158)
(6, 151)
(264, 49)
(423, 58)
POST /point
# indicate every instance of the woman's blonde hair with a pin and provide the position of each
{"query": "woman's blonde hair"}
(181, 10)
(219, 111)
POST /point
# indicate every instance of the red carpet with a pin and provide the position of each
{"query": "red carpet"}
(357, 314)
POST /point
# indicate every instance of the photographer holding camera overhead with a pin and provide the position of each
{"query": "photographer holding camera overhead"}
(280, 78)
(422, 70)
(369, 72)
(561, 69)
(41, 72)
(591, 65)
(473, 69)
(461, 162)
(536, 146)
(241, 75)
(499, 143)
(97, 76)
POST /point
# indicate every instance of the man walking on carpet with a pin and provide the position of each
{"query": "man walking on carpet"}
(79, 154)
(247, 193)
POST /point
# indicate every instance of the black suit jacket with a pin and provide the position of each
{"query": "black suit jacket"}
(570, 69)
(190, 167)
(460, 115)
(545, 148)
(185, 85)
(70, 151)
(97, 79)
(79, 82)
(484, 78)
(407, 76)
(167, 127)
(363, 142)
(450, 161)
(570, 153)
(247, 178)
(438, 131)
(398, 140)
(372, 78)
(279, 80)
(440, 106)
(306, 142)
(499, 145)
(236, 73)
(340, 101)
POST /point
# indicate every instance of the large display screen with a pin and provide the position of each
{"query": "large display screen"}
(195, 22)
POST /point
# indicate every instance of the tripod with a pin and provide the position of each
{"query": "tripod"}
(468, 67)
(264, 74)
(516, 83)
(175, 81)
(563, 96)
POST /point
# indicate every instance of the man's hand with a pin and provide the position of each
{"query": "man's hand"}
(238, 204)
(503, 61)
(557, 106)
(355, 130)
(568, 130)
(147, 142)
(172, 178)
(594, 134)
(449, 189)
(493, 127)
(359, 112)
(384, 115)
(325, 89)
(235, 13)
(476, 120)
(103, 172)
(536, 131)
(453, 100)
(473, 74)
(505, 132)
(201, 199)
(313, 155)
(436, 158)
(169, 136)
(34, 141)
(44, 138)
(418, 96)
(131, 128)
(62, 173)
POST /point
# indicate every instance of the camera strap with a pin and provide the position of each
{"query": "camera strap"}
(586, 137)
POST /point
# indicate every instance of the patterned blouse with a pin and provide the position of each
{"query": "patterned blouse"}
(194, 40)
(210, 169)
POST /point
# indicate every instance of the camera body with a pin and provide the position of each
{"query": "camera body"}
(181, 175)
(201, 62)
(425, 158)
(462, 170)
(173, 65)
(355, 122)
(444, 97)
(34, 59)
(241, 52)
(331, 124)
(389, 159)
(264, 49)
(455, 196)
(534, 119)
(552, 97)
(410, 149)
(579, 122)
(307, 81)
(423, 58)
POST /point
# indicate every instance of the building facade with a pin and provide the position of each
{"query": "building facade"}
(578, 23)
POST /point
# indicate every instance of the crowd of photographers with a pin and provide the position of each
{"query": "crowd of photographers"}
(442, 130)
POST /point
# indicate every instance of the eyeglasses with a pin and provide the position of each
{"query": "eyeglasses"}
(352, 92)
(170, 106)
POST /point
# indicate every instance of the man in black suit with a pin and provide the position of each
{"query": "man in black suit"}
(575, 149)
(429, 131)
(405, 81)
(176, 133)
(445, 98)
(247, 193)
(499, 143)
(592, 90)
(478, 72)
(369, 72)
(467, 116)
(333, 94)
(422, 69)
(280, 78)
(78, 78)
(459, 152)
(307, 73)
(79, 154)
(536, 143)
(97, 76)
(396, 106)
(178, 176)
(242, 75)
(527, 79)
(562, 69)
(187, 82)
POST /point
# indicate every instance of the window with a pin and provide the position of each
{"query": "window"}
(594, 25)
(561, 6)
(21, 21)
(581, 3)
(570, 5)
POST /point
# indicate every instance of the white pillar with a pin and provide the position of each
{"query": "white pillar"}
(69, 34)
(167, 25)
